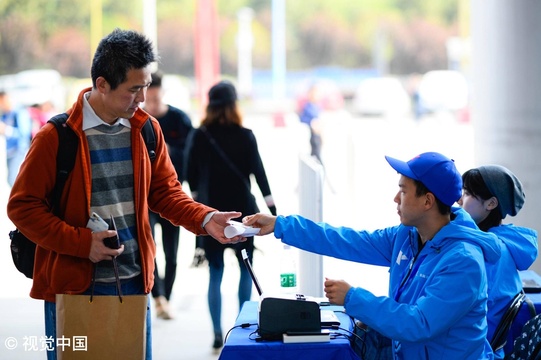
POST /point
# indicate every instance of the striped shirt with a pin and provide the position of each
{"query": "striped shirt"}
(113, 194)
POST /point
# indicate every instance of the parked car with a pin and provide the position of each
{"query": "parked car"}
(442, 90)
(38, 86)
(381, 96)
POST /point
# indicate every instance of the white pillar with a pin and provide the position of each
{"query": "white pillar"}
(279, 49)
(244, 50)
(506, 106)
(150, 25)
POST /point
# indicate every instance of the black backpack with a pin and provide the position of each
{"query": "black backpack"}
(22, 249)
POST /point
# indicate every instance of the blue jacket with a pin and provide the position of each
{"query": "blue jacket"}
(309, 112)
(437, 305)
(519, 251)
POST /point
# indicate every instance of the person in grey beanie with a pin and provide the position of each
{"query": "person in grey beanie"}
(490, 193)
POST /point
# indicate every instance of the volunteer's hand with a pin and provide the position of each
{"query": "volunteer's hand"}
(98, 250)
(336, 291)
(263, 221)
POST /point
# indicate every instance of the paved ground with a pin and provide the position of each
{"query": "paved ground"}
(359, 191)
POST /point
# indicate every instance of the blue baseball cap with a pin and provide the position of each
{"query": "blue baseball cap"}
(437, 172)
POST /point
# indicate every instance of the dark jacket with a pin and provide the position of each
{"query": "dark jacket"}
(176, 127)
(214, 181)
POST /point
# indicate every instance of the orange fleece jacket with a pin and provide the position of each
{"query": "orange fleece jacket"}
(63, 243)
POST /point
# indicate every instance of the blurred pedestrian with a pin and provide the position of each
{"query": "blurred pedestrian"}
(309, 115)
(40, 114)
(222, 156)
(176, 126)
(16, 126)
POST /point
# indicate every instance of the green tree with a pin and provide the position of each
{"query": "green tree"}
(56, 33)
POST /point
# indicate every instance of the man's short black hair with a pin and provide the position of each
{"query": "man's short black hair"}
(119, 52)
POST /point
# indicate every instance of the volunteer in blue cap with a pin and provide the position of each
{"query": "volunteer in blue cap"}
(490, 193)
(436, 308)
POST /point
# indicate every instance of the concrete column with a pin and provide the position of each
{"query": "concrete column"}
(245, 44)
(279, 49)
(150, 26)
(506, 96)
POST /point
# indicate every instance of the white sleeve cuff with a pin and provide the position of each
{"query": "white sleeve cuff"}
(207, 218)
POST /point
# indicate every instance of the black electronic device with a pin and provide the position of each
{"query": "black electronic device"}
(112, 242)
(294, 313)
(278, 316)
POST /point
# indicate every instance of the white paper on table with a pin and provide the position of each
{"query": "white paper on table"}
(236, 228)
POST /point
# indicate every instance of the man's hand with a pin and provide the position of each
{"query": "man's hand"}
(98, 250)
(217, 223)
(336, 291)
(263, 221)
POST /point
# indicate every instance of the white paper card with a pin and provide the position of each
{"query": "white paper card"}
(236, 228)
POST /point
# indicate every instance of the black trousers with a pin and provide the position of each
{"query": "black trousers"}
(163, 286)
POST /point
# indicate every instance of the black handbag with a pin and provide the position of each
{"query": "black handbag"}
(22, 252)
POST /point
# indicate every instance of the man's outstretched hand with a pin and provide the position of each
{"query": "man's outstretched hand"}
(218, 222)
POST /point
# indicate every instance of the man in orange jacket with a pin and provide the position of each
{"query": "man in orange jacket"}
(112, 176)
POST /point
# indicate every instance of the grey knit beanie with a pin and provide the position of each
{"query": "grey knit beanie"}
(505, 186)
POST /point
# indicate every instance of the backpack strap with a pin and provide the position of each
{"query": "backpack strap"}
(149, 136)
(499, 338)
(67, 150)
(65, 157)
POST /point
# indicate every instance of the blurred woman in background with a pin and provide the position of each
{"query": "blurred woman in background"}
(222, 154)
